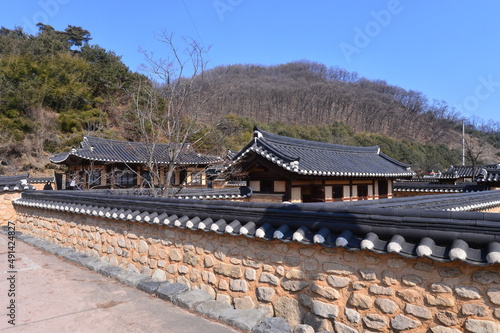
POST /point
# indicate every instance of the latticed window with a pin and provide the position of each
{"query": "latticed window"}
(383, 188)
(196, 178)
(94, 178)
(126, 178)
(267, 186)
(146, 178)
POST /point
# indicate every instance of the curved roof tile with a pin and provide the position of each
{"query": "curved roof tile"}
(15, 183)
(107, 150)
(323, 159)
(483, 174)
(433, 187)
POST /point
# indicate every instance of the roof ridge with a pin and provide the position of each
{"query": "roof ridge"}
(270, 148)
(387, 157)
(110, 150)
(276, 138)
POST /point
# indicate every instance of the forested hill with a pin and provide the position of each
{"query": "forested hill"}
(309, 93)
(56, 86)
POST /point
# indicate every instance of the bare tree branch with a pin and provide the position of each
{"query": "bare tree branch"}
(170, 111)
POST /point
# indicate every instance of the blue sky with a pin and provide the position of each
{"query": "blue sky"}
(448, 50)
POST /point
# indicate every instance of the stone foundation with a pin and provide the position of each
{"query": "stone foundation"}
(327, 288)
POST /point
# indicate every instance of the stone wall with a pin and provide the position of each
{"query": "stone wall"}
(327, 288)
(7, 212)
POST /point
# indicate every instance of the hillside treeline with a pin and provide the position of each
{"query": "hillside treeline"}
(308, 93)
(54, 87)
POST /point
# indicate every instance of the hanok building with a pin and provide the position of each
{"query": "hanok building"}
(486, 176)
(279, 168)
(105, 163)
(457, 179)
(414, 188)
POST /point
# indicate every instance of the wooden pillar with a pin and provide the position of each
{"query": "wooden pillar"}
(354, 193)
(296, 195)
(347, 193)
(370, 192)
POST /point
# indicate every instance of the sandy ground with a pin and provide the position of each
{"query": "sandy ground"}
(52, 295)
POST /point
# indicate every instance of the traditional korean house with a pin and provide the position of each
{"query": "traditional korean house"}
(279, 168)
(457, 174)
(105, 163)
(487, 177)
(458, 178)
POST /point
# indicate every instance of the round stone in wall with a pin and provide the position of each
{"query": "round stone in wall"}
(360, 301)
(470, 309)
(386, 305)
(375, 321)
(159, 275)
(265, 294)
(447, 318)
(403, 323)
(288, 308)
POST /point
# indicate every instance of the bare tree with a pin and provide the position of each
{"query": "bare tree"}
(46, 120)
(170, 110)
(475, 149)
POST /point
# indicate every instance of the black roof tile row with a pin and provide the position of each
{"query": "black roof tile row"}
(460, 171)
(460, 202)
(14, 183)
(485, 174)
(490, 174)
(435, 187)
(40, 180)
(106, 150)
(187, 193)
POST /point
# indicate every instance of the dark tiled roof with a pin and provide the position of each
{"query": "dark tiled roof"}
(40, 180)
(231, 154)
(215, 193)
(490, 174)
(434, 187)
(236, 183)
(189, 193)
(460, 171)
(323, 159)
(467, 201)
(14, 183)
(400, 226)
(482, 174)
(106, 150)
